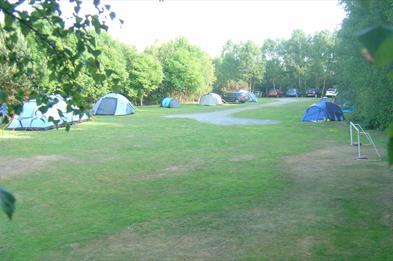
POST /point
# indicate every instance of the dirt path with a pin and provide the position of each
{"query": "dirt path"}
(225, 118)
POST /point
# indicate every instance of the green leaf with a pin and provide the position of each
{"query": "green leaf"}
(96, 23)
(8, 23)
(378, 41)
(112, 15)
(390, 144)
(7, 201)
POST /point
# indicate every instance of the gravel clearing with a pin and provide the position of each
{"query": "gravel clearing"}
(224, 117)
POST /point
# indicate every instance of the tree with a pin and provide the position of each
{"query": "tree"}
(252, 66)
(378, 42)
(274, 63)
(187, 69)
(371, 86)
(145, 75)
(321, 69)
(296, 56)
(42, 21)
(239, 62)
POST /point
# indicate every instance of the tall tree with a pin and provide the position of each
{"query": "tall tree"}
(145, 75)
(274, 68)
(187, 69)
(239, 62)
(296, 56)
(252, 66)
(322, 61)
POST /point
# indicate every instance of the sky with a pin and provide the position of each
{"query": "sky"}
(209, 24)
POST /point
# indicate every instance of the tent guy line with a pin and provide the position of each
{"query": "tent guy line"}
(224, 117)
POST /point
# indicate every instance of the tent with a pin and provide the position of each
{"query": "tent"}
(210, 99)
(323, 111)
(170, 103)
(31, 118)
(113, 104)
(251, 95)
(3, 112)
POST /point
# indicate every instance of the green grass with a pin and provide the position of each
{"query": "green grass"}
(147, 187)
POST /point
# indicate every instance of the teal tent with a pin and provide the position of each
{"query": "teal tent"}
(169, 102)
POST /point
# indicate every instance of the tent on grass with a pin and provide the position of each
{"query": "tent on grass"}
(3, 112)
(251, 95)
(113, 104)
(169, 102)
(323, 111)
(31, 118)
(210, 99)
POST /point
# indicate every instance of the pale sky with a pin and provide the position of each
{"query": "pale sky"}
(209, 24)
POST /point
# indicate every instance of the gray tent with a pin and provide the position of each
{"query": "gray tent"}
(210, 99)
(113, 104)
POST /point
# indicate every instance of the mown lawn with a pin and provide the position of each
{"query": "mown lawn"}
(145, 187)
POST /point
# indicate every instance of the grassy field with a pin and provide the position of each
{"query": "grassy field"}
(145, 187)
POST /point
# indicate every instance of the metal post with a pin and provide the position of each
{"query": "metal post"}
(359, 156)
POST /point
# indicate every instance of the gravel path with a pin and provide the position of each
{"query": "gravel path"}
(224, 117)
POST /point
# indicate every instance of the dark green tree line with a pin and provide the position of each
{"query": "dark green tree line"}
(370, 86)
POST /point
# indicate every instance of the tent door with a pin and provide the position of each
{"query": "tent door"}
(107, 106)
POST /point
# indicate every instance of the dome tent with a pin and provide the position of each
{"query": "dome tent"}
(210, 99)
(113, 104)
(251, 95)
(323, 111)
(31, 118)
(169, 102)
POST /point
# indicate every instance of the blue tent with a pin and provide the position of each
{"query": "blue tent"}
(323, 111)
(169, 102)
(252, 98)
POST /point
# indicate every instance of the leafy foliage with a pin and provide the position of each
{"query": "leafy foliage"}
(67, 47)
(378, 43)
(145, 75)
(239, 63)
(371, 86)
(188, 71)
(302, 61)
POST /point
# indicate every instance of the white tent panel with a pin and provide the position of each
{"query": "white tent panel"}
(210, 99)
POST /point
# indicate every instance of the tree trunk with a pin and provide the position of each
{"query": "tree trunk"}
(141, 100)
(323, 89)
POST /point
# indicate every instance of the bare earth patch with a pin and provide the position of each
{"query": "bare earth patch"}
(243, 158)
(14, 167)
(291, 225)
(174, 170)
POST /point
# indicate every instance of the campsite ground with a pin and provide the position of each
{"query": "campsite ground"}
(146, 187)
